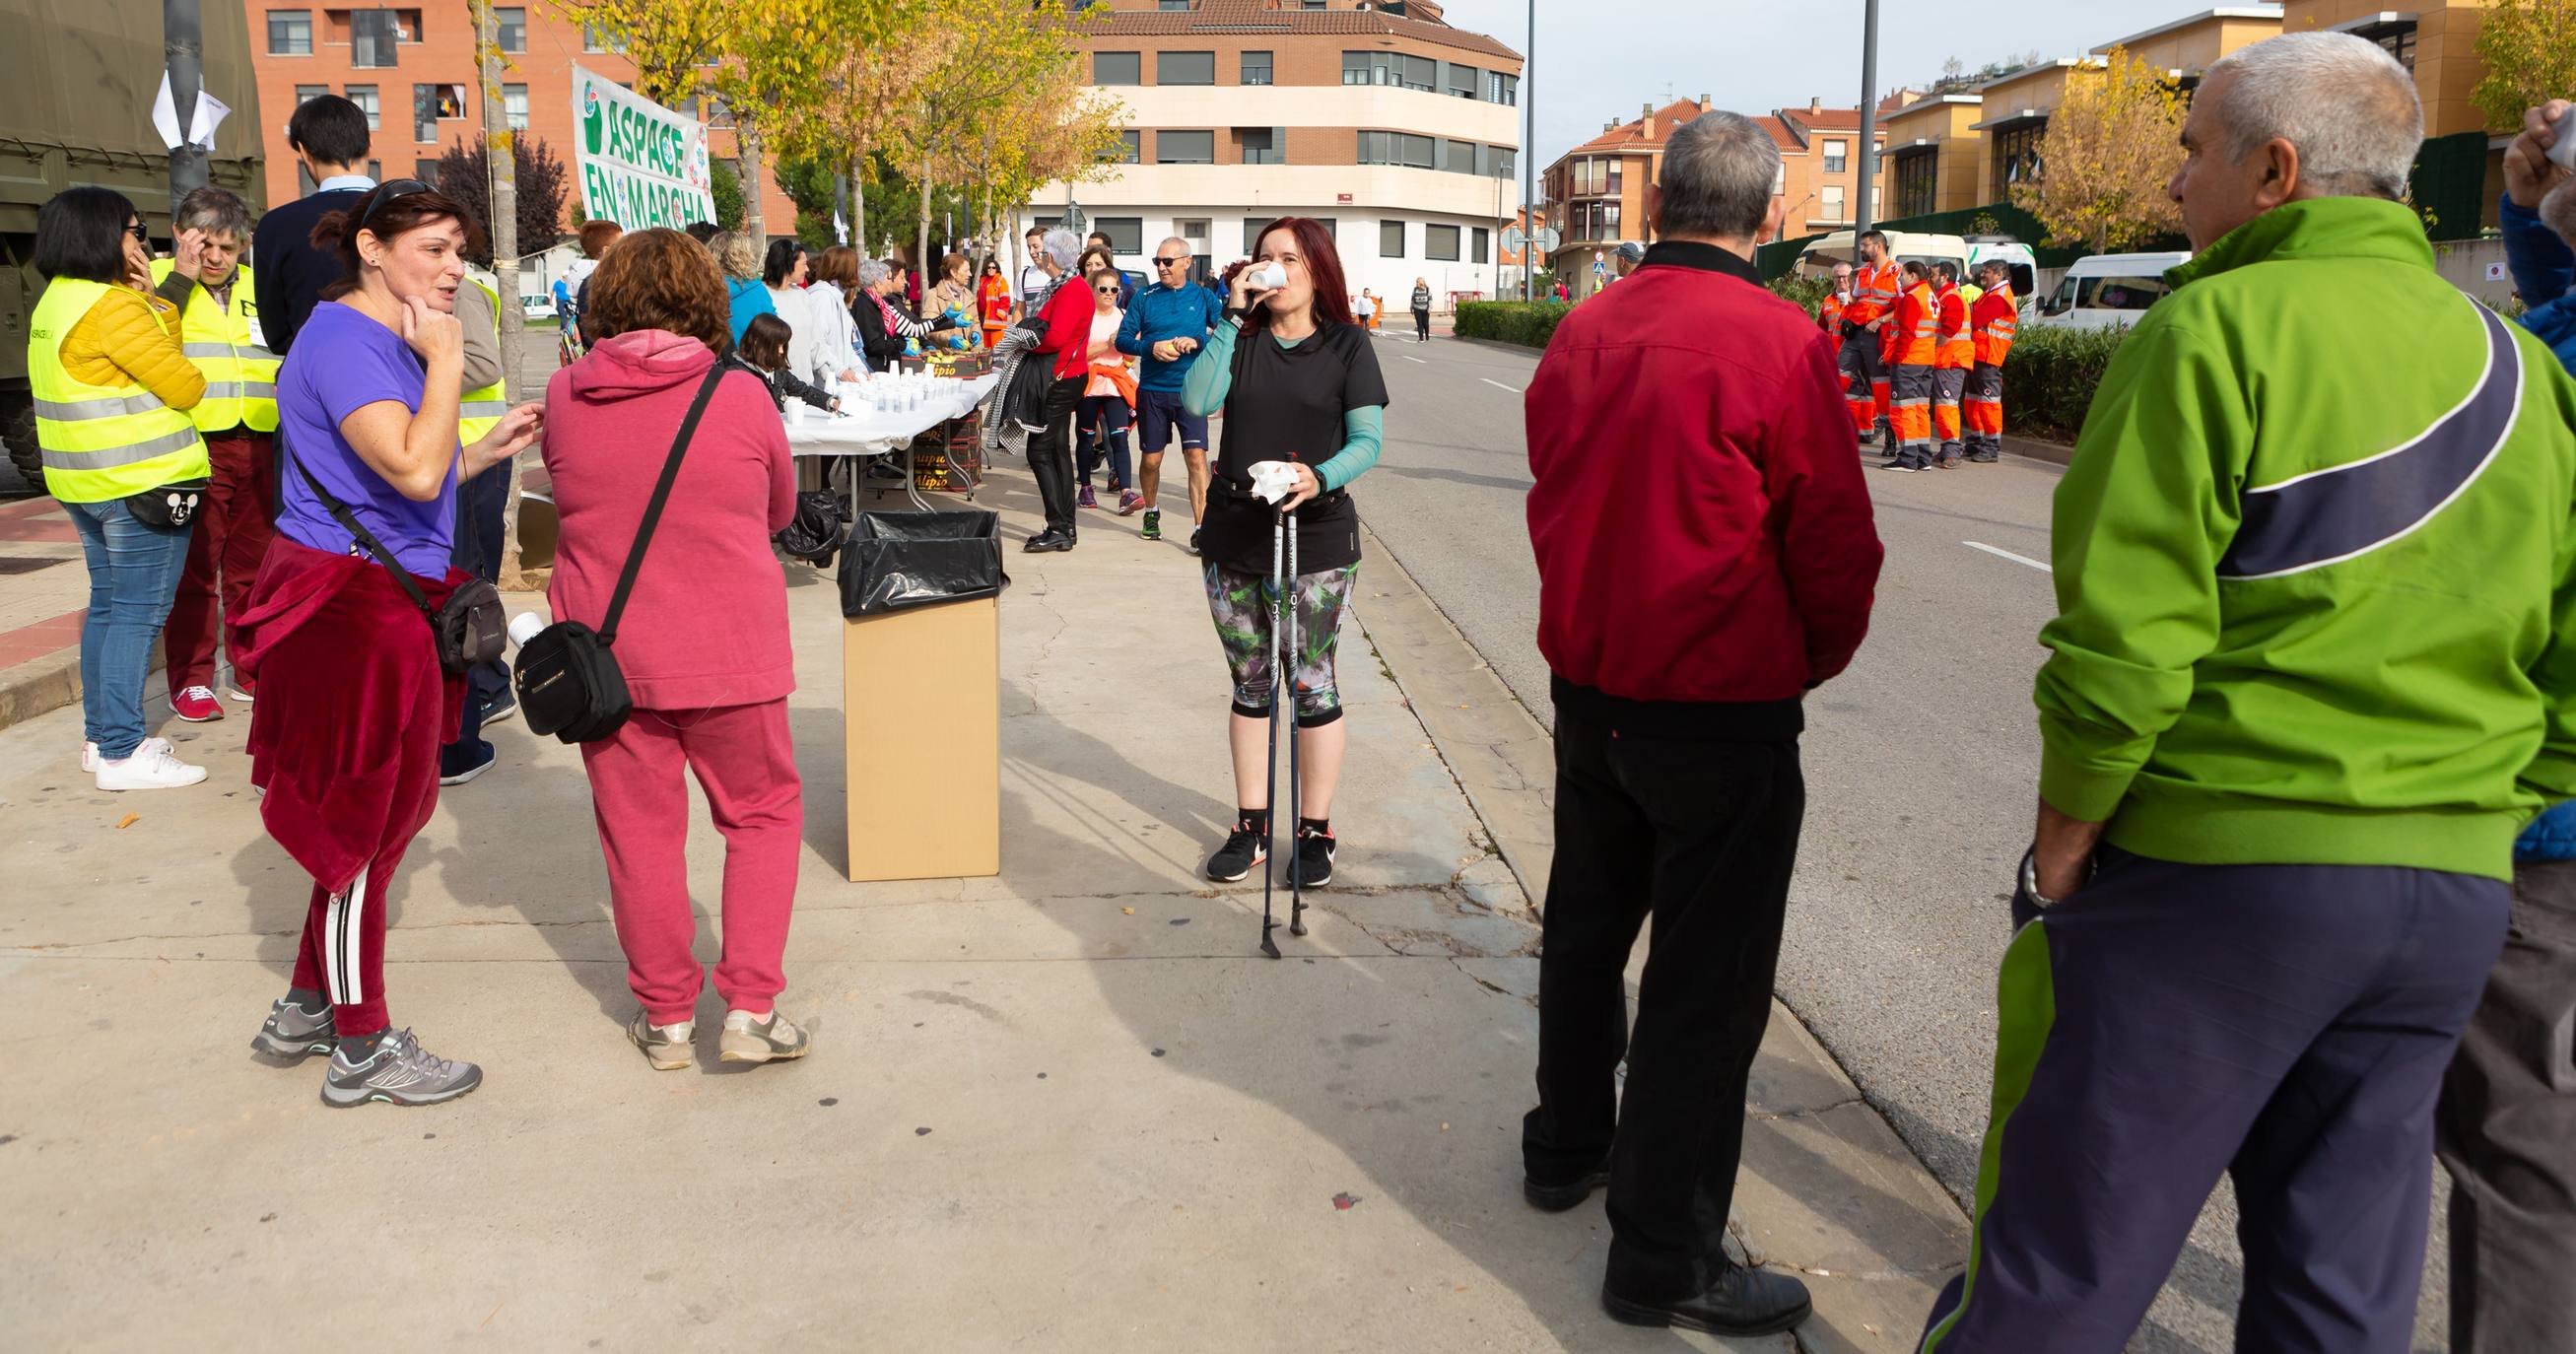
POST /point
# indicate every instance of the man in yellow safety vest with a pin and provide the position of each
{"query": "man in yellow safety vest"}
(481, 503)
(219, 331)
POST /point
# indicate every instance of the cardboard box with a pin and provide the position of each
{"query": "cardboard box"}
(921, 701)
(950, 457)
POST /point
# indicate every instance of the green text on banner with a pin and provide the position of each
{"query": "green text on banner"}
(641, 164)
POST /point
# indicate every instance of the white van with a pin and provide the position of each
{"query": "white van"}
(1818, 259)
(2108, 289)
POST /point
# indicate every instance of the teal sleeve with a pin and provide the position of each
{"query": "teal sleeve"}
(1203, 391)
(2141, 519)
(1363, 433)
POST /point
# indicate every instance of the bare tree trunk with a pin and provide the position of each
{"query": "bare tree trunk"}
(501, 158)
(921, 261)
(747, 140)
(859, 201)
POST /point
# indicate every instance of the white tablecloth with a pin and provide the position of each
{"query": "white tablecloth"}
(867, 431)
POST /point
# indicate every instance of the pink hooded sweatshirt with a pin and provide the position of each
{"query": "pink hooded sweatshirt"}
(707, 622)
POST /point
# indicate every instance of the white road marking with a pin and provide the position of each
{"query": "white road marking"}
(1496, 384)
(2006, 554)
(1411, 358)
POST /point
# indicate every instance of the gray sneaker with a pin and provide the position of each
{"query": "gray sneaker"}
(293, 1033)
(667, 1047)
(400, 1072)
(753, 1039)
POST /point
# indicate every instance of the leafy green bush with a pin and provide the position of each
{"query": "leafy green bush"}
(2050, 376)
(1528, 323)
(1807, 293)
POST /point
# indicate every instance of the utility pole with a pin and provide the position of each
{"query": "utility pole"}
(501, 164)
(1529, 152)
(183, 56)
(1868, 123)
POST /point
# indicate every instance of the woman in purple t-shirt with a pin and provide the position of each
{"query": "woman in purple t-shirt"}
(353, 704)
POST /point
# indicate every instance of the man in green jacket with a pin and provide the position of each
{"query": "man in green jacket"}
(2314, 665)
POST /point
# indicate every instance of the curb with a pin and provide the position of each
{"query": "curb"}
(2054, 453)
(40, 686)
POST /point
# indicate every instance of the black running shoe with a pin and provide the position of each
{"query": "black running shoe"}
(1244, 849)
(1315, 858)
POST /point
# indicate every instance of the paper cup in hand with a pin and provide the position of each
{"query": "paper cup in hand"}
(1274, 481)
(1266, 277)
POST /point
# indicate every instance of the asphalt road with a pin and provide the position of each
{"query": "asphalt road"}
(1921, 762)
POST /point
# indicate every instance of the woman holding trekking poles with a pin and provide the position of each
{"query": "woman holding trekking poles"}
(1300, 383)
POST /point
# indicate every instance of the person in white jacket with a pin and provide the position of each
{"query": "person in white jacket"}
(836, 284)
(784, 272)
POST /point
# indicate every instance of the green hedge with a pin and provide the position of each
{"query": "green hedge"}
(2050, 376)
(1528, 323)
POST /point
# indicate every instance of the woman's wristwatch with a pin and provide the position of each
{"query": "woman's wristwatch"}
(2030, 880)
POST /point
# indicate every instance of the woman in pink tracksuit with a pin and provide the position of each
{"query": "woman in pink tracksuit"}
(703, 640)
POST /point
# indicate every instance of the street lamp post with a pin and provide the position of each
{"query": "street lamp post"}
(1868, 121)
(184, 62)
(1529, 149)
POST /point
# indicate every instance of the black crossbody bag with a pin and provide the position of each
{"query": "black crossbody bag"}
(569, 683)
(468, 628)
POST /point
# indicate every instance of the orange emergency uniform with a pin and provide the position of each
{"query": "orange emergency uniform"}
(1950, 365)
(1864, 360)
(1916, 343)
(1991, 327)
(1830, 316)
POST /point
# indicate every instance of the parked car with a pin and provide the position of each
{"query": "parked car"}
(2108, 289)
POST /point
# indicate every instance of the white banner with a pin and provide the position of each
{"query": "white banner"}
(641, 165)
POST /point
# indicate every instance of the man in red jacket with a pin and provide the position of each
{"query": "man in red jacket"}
(1682, 618)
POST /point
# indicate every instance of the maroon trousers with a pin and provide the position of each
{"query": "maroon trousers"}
(344, 743)
(224, 551)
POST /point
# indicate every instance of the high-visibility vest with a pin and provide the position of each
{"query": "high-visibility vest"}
(478, 410)
(1874, 292)
(1829, 315)
(1993, 324)
(1956, 349)
(100, 442)
(226, 346)
(1917, 328)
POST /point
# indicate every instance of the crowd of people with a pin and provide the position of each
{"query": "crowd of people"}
(2300, 902)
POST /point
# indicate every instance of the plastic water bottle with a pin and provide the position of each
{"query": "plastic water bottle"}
(525, 626)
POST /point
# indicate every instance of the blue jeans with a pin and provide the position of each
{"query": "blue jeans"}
(133, 575)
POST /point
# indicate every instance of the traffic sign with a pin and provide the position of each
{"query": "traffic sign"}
(1513, 239)
(1548, 239)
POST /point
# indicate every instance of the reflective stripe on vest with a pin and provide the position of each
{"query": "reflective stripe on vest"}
(477, 410)
(227, 347)
(99, 442)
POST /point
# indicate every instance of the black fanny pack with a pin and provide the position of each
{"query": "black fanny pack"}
(468, 627)
(172, 507)
(569, 683)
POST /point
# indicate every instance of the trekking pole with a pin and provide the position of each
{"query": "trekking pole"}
(1296, 782)
(1270, 777)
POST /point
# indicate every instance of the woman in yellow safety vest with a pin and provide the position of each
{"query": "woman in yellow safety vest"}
(112, 391)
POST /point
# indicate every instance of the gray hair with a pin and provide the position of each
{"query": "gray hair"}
(1063, 246)
(1718, 172)
(216, 212)
(2558, 211)
(1175, 239)
(735, 254)
(2342, 100)
(874, 271)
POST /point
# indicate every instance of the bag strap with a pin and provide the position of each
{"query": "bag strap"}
(349, 522)
(653, 510)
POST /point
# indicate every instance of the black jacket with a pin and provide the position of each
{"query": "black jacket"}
(880, 347)
(783, 383)
(288, 273)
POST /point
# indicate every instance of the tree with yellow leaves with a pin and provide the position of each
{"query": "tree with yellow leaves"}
(2530, 50)
(2111, 147)
(673, 43)
(862, 89)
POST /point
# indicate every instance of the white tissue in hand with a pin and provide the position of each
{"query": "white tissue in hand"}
(1274, 481)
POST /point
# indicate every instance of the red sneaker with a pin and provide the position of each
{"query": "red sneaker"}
(197, 704)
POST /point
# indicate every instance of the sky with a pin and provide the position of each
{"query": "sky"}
(1598, 61)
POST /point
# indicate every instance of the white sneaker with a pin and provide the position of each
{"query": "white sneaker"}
(89, 752)
(152, 767)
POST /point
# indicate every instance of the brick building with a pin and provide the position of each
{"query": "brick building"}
(1373, 115)
(413, 69)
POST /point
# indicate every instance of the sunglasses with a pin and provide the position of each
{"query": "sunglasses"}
(138, 232)
(1182, 261)
(1106, 291)
(398, 188)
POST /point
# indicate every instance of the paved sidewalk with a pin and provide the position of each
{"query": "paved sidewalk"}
(1067, 1108)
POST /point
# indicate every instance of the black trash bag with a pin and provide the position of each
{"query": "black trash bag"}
(820, 527)
(899, 560)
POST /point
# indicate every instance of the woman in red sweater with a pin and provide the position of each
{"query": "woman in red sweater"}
(703, 641)
(1066, 313)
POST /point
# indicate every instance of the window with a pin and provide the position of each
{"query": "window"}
(1256, 68)
(290, 32)
(592, 40)
(1780, 179)
(1252, 232)
(1126, 233)
(1389, 68)
(2017, 155)
(1916, 183)
(514, 106)
(1836, 152)
(372, 35)
(1598, 177)
(307, 93)
(1261, 145)
(1483, 239)
(2396, 39)
(364, 96)
(424, 112)
(2117, 293)
(1592, 221)
(1185, 148)
(426, 171)
(1131, 148)
(1396, 148)
(1503, 89)
(1390, 239)
(1117, 68)
(1461, 82)
(1311, 4)
(1185, 68)
(1505, 162)
(1440, 243)
(1458, 157)
(513, 23)
(1833, 205)
(1174, 5)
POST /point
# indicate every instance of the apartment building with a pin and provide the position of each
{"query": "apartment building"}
(1375, 116)
(2436, 41)
(1933, 156)
(2018, 105)
(1821, 179)
(413, 69)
